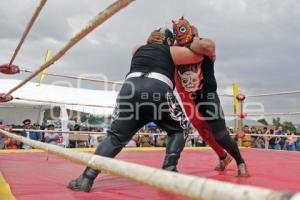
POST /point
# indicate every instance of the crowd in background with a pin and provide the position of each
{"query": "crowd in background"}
(286, 139)
(150, 136)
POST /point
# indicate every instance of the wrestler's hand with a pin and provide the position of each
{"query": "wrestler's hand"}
(195, 31)
(156, 37)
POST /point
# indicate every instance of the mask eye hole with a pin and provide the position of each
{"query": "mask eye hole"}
(182, 29)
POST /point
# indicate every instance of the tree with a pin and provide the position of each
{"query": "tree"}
(289, 126)
(276, 122)
(286, 125)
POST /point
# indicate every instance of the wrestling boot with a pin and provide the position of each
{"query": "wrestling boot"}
(170, 162)
(224, 163)
(85, 181)
(174, 147)
(243, 170)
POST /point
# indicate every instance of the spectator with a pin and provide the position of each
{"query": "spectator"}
(297, 143)
(155, 135)
(2, 145)
(246, 129)
(253, 137)
(136, 138)
(291, 141)
(131, 143)
(259, 141)
(145, 141)
(274, 141)
(1, 138)
(265, 130)
(161, 141)
(253, 130)
(29, 134)
(247, 140)
(51, 137)
(282, 139)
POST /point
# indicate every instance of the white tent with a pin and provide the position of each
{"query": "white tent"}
(17, 110)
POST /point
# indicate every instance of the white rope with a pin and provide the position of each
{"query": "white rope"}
(275, 93)
(185, 185)
(75, 132)
(64, 103)
(96, 80)
(78, 78)
(58, 131)
(226, 95)
(265, 114)
(276, 114)
(269, 135)
(161, 134)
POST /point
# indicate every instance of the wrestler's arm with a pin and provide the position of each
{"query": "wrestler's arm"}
(183, 55)
(202, 46)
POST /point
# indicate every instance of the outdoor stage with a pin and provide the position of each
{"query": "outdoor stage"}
(32, 177)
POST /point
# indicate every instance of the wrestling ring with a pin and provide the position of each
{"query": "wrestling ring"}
(135, 173)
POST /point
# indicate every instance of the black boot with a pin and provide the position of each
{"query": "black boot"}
(170, 162)
(85, 181)
(175, 146)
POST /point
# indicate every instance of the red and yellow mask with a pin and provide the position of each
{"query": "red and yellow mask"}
(183, 32)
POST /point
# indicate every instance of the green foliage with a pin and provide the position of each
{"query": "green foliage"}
(276, 122)
(286, 125)
(289, 126)
(95, 119)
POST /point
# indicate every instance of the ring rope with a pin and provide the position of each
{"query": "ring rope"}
(101, 106)
(275, 93)
(265, 114)
(96, 21)
(95, 80)
(104, 133)
(66, 103)
(80, 78)
(118, 82)
(27, 30)
(185, 185)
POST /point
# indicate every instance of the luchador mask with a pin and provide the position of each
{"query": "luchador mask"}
(183, 32)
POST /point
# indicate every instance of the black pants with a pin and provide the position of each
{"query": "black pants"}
(142, 100)
(209, 105)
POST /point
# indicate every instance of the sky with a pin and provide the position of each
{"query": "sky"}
(257, 41)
